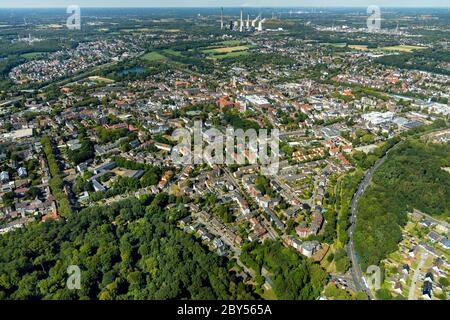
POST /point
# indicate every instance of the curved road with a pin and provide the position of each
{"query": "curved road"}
(355, 270)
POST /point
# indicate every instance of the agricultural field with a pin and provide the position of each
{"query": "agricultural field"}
(336, 45)
(227, 49)
(358, 47)
(54, 26)
(230, 43)
(399, 48)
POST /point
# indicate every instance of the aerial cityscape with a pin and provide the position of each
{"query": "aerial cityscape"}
(225, 153)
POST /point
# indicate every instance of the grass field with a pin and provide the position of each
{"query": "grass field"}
(401, 48)
(151, 30)
(358, 47)
(154, 56)
(33, 55)
(137, 30)
(101, 79)
(230, 55)
(173, 52)
(227, 49)
(230, 43)
(337, 45)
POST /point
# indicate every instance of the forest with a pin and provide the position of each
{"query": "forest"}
(294, 277)
(128, 250)
(411, 178)
(431, 60)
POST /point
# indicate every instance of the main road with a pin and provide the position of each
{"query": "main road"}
(412, 289)
(355, 270)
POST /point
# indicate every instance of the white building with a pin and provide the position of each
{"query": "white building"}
(377, 118)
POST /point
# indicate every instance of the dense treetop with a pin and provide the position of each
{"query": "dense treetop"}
(411, 178)
(129, 250)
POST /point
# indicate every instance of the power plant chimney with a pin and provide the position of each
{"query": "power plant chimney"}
(241, 27)
(256, 20)
(221, 19)
(260, 25)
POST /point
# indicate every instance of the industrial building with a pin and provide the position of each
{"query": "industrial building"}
(239, 25)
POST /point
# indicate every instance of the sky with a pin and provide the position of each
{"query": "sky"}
(225, 3)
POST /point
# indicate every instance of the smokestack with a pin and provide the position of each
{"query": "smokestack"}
(248, 22)
(260, 25)
(256, 20)
(241, 28)
(221, 19)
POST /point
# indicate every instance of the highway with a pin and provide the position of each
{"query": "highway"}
(355, 270)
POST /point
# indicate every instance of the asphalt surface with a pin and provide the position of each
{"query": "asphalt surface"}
(412, 289)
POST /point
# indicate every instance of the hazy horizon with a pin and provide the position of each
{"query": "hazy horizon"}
(225, 3)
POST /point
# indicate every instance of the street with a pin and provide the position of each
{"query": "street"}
(412, 289)
(356, 271)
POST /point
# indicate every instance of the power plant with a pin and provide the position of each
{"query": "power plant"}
(260, 24)
(239, 25)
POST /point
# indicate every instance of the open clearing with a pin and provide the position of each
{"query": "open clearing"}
(336, 45)
(230, 55)
(401, 48)
(230, 43)
(154, 56)
(227, 49)
(173, 52)
(358, 47)
(33, 55)
(100, 79)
